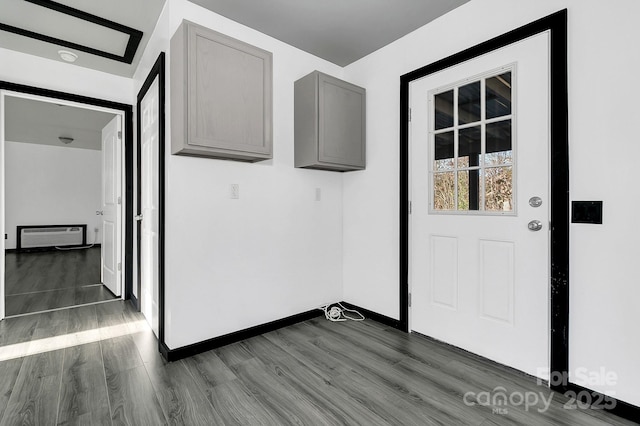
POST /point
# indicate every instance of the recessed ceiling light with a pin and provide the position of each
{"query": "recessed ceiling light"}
(67, 56)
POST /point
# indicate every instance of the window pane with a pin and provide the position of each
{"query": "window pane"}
(499, 189)
(469, 103)
(444, 110)
(469, 147)
(468, 189)
(498, 149)
(443, 151)
(443, 191)
(498, 95)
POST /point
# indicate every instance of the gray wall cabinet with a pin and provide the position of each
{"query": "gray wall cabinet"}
(221, 96)
(329, 121)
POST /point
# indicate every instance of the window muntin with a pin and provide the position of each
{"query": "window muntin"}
(472, 146)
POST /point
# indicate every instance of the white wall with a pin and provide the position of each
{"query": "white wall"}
(50, 185)
(603, 66)
(32, 70)
(275, 252)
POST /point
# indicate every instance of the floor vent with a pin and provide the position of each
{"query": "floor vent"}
(49, 236)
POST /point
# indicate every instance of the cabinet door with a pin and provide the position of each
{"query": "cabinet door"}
(341, 122)
(229, 93)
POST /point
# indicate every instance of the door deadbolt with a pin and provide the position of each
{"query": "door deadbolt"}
(535, 201)
(535, 225)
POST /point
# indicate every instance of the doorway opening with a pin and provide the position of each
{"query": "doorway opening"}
(69, 186)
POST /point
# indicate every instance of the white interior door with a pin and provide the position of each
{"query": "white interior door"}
(479, 153)
(112, 205)
(150, 116)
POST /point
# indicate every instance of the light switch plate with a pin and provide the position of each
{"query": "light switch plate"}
(234, 191)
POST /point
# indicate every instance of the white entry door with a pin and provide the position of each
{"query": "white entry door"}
(150, 117)
(111, 205)
(479, 181)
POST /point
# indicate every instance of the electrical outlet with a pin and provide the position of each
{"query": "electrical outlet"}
(318, 194)
(95, 230)
(234, 193)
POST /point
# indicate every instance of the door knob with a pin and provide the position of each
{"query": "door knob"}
(535, 225)
(138, 217)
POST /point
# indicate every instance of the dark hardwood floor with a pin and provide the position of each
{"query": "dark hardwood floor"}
(41, 281)
(104, 369)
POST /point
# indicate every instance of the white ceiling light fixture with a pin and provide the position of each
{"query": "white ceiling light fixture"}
(65, 139)
(67, 56)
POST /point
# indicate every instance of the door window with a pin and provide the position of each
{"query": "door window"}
(471, 145)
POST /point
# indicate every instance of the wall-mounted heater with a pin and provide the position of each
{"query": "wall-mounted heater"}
(50, 236)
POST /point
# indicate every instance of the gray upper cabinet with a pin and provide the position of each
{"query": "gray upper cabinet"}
(329, 123)
(221, 96)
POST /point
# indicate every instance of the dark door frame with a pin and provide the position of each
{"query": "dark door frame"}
(158, 70)
(556, 24)
(128, 162)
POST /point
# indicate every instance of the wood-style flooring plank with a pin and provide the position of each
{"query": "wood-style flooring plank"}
(83, 391)
(133, 400)
(375, 396)
(82, 318)
(18, 330)
(120, 354)
(147, 345)
(39, 301)
(281, 397)
(48, 280)
(9, 371)
(34, 399)
(116, 313)
(374, 366)
(182, 401)
(238, 407)
(51, 324)
(311, 384)
(233, 354)
(208, 370)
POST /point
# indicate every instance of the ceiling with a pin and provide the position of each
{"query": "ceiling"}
(39, 122)
(110, 36)
(105, 33)
(340, 31)
(102, 27)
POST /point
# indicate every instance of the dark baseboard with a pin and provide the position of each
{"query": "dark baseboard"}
(382, 319)
(216, 342)
(134, 301)
(598, 401)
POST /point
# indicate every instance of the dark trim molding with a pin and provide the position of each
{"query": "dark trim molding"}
(158, 70)
(134, 302)
(128, 160)
(382, 319)
(132, 45)
(216, 342)
(588, 396)
(556, 24)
